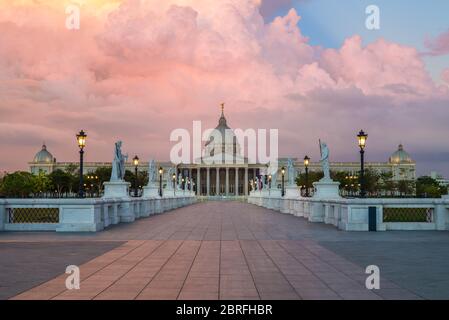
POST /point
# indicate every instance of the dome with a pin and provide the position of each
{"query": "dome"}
(400, 156)
(229, 142)
(43, 156)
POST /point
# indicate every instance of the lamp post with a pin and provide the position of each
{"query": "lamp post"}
(173, 177)
(269, 181)
(81, 139)
(136, 164)
(362, 136)
(283, 184)
(306, 165)
(160, 181)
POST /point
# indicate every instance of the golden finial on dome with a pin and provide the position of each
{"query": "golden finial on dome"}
(222, 107)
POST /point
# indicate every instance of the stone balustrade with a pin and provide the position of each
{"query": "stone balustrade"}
(82, 215)
(353, 214)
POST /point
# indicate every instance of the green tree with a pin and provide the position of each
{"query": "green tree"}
(60, 181)
(313, 177)
(41, 183)
(387, 185)
(427, 187)
(18, 184)
(372, 185)
(405, 187)
(142, 178)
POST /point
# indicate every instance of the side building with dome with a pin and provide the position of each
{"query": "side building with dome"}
(228, 178)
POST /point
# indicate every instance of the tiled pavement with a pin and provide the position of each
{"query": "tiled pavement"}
(232, 250)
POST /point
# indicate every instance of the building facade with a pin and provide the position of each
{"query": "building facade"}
(222, 171)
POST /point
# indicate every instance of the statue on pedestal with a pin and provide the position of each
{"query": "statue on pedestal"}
(274, 178)
(118, 164)
(180, 181)
(169, 178)
(291, 172)
(152, 175)
(324, 151)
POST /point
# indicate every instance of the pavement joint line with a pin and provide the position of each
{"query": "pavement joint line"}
(283, 275)
(247, 264)
(163, 265)
(190, 268)
(44, 282)
(122, 256)
(193, 260)
(151, 252)
(163, 241)
(312, 271)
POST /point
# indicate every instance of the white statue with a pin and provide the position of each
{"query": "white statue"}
(169, 179)
(180, 181)
(118, 164)
(274, 178)
(291, 171)
(251, 184)
(324, 151)
(152, 174)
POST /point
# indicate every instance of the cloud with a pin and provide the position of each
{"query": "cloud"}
(439, 45)
(445, 76)
(138, 69)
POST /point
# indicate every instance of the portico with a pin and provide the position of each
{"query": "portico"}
(220, 180)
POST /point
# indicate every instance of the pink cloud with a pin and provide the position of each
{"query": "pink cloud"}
(439, 45)
(138, 70)
(445, 75)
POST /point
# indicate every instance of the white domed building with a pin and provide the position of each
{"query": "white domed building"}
(43, 161)
(231, 177)
(402, 165)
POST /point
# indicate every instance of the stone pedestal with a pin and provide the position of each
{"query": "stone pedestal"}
(326, 189)
(275, 193)
(116, 189)
(292, 192)
(150, 191)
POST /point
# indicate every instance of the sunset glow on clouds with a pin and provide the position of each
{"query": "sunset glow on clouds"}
(138, 69)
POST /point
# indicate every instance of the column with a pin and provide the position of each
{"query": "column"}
(198, 181)
(227, 182)
(236, 181)
(190, 179)
(254, 173)
(208, 181)
(245, 186)
(217, 181)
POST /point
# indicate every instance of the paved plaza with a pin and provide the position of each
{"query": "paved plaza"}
(224, 250)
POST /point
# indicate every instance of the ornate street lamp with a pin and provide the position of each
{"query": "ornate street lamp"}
(161, 171)
(306, 165)
(269, 181)
(362, 136)
(136, 164)
(81, 139)
(173, 177)
(183, 185)
(283, 184)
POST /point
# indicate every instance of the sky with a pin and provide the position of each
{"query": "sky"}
(137, 69)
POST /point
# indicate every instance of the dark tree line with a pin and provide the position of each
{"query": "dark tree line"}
(61, 183)
(379, 184)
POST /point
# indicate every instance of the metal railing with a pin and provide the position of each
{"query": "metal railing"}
(407, 214)
(33, 215)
